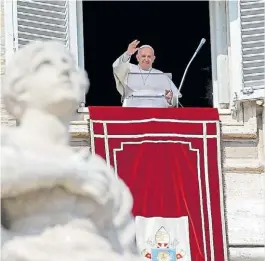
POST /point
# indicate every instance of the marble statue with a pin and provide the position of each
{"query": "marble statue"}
(57, 204)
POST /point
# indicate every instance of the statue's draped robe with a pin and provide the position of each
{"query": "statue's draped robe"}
(142, 88)
(63, 208)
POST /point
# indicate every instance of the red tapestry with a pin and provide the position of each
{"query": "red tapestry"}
(170, 160)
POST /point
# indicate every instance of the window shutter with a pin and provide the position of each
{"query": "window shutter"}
(46, 20)
(252, 14)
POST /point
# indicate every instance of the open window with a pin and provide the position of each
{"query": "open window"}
(29, 20)
(167, 26)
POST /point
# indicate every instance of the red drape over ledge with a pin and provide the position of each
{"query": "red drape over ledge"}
(170, 160)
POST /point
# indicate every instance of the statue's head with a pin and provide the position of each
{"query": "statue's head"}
(43, 76)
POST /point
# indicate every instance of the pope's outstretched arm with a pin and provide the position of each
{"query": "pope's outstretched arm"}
(124, 59)
(121, 66)
(121, 61)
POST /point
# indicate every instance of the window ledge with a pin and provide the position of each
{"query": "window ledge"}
(221, 111)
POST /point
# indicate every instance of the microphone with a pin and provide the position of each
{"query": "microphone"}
(202, 42)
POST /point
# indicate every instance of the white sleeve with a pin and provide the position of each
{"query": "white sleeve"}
(121, 69)
(125, 58)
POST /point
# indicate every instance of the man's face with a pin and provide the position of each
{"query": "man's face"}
(145, 58)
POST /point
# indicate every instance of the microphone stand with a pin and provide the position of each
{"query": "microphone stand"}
(202, 42)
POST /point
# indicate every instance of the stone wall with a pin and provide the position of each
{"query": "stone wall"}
(243, 169)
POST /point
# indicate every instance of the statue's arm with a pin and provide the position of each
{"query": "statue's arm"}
(23, 170)
(123, 203)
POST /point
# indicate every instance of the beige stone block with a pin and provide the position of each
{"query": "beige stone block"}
(240, 149)
(247, 253)
(245, 208)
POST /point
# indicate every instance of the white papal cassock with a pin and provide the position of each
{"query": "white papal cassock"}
(142, 88)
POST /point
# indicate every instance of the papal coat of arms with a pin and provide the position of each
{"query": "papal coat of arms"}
(162, 248)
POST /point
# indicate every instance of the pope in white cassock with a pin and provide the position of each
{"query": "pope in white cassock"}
(141, 85)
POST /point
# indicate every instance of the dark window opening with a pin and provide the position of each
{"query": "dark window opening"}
(173, 29)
